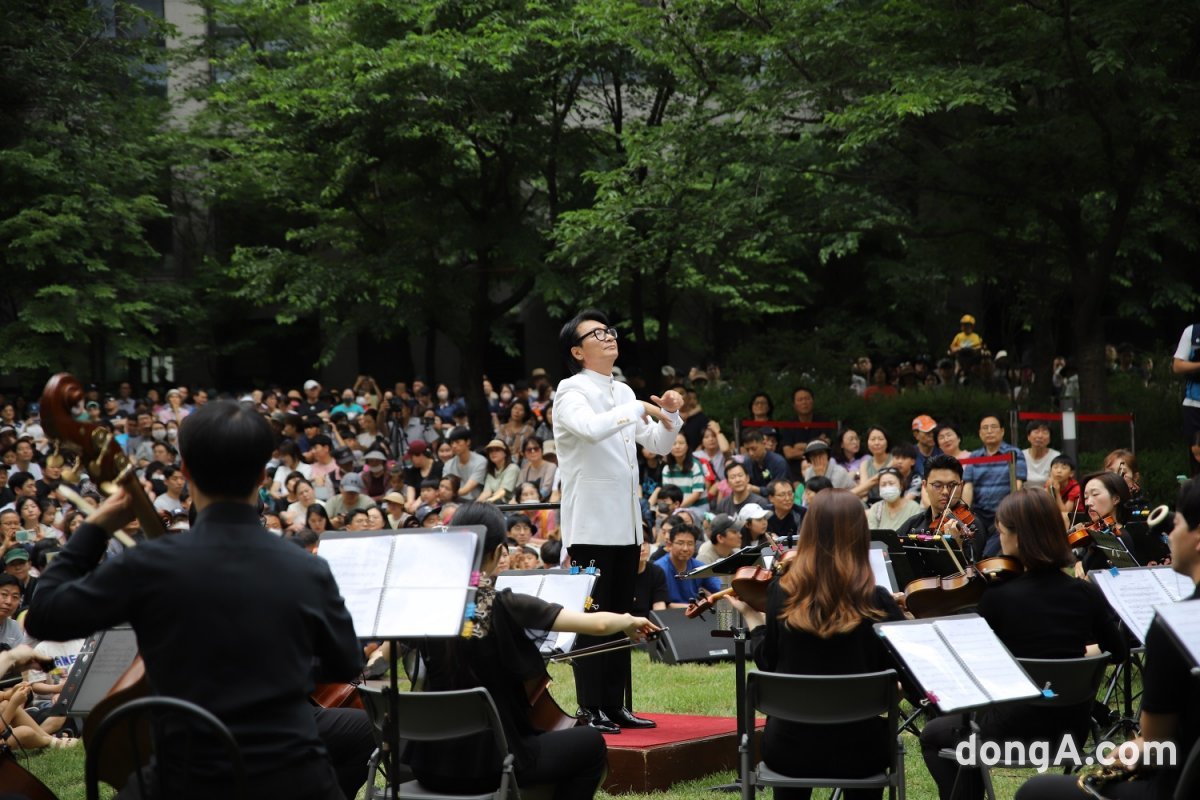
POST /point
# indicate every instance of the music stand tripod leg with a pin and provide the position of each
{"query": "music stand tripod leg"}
(739, 671)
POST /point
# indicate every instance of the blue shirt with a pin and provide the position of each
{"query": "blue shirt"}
(688, 589)
(990, 481)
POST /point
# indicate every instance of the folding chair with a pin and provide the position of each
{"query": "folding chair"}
(138, 728)
(435, 717)
(824, 700)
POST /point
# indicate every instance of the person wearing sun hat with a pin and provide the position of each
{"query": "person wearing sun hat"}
(923, 427)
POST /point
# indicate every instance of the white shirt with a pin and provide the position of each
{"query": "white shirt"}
(1039, 469)
(598, 426)
(1182, 353)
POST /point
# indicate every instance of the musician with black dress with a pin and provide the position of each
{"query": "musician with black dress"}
(500, 656)
(1041, 613)
(1171, 702)
(819, 621)
(202, 601)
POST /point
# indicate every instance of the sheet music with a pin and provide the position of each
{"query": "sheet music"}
(569, 591)
(987, 659)
(1133, 594)
(403, 585)
(934, 665)
(1178, 587)
(1183, 620)
(878, 560)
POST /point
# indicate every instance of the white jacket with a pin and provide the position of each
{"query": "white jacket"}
(598, 426)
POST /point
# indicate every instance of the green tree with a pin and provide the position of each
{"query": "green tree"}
(82, 182)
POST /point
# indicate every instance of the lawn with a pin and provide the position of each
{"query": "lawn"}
(682, 689)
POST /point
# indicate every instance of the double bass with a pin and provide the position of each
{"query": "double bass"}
(109, 467)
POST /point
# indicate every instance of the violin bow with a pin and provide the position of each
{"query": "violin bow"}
(938, 531)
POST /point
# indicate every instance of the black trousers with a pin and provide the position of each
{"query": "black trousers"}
(349, 738)
(1191, 426)
(600, 680)
(1066, 787)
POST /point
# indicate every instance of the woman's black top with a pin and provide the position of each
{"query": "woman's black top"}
(799, 749)
(501, 661)
(1047, 614)
(649, 587)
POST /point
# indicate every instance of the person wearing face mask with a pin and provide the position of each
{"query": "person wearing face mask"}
(445, 407)
(374, 475)
(894, 508)
(348, 406)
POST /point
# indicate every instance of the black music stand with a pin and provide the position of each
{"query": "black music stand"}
(740, 635)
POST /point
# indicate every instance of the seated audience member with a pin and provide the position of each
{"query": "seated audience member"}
(680, 559)
(784, 521)
(878, 456)
(1063, 487)
(1039, 456)
(819, 463)
(723, 540)
(894, 507)
(740, 492)
(650, 586)
(762, 466)
(752, 522)
(847, 450)
(904, 461)
(352, 497)
(537, 470)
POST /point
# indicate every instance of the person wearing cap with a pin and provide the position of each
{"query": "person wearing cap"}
(17, 563)
(598, 425)
(174, 408)
(723, 539)
(468, 466)
(374, 475)
(817, 455)
(752, 522)
(428, 516)
(923, 427)
(351, 497)
(966, 339)
(395, 515)
(312, 403)
(501, 479)
(173, 497)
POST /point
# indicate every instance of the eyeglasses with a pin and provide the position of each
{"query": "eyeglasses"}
(940, 487)
(600, 335)
(533, 449)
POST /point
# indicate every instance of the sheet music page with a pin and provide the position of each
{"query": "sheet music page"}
(521, 584)
(1133, 594)
(879, 567)
(359, 562)
(414, 612)
(1178, 587)
(433, 560)
(569, 591)
(986, 657)
(933, 664)
(1183, 620)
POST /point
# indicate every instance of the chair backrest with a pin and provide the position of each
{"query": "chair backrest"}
(186, 725)
(1189, 779)
(1074, 681)
(823, 699)
(437, 716)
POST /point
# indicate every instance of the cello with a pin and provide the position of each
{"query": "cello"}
(110, 468)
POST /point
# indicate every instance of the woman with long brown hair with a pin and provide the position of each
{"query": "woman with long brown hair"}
(1041, 613)
(819, 621)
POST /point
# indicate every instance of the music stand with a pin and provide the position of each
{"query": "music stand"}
(746, 557)
(390, 592)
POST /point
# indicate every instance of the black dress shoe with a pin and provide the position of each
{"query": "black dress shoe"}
(625, 718)
(595, 718)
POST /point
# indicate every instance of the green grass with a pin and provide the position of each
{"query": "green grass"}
(682, 689)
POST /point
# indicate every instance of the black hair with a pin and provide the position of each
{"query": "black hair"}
(1035, 424)
(19, 479)
(430, 483)
(905, 451)
(752, 435)
(1063, 458)
(460, 433)
(569, 338)
(817, 483)
(943, 461)
(225, 446)
(1188, 503)
(10, 580)
(684, 528)
(803, 388)
(767, 397)
(520, 401)
(773, 486)
(990, 415)
(168, 470)
(489, 517)
(536, 440)
(350, 515)
(684, 464)
(319, 510)
(670, 492)
(733, 462)
(305, 538)
(1116, 487)
(288, 447)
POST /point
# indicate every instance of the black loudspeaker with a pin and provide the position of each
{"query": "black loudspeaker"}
(688, 640)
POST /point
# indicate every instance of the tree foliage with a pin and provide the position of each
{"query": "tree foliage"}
(82, 183)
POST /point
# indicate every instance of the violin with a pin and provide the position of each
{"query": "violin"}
(20, 781)
(749, 584)
(109, 467)
(958, 512)
(342, 695)
(949, 594)
(1080, 534)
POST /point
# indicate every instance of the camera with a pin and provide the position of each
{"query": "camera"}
(396, 405)
(427, 422)
(662, 508)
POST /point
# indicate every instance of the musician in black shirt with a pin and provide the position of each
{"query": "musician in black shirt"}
(819, 621)
(1171, 702)
(205, 601)
(1042, 613)
(943, 482)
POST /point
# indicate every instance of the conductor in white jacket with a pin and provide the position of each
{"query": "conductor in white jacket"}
(598, 426)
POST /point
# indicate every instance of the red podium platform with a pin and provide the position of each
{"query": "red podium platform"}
(681, 748)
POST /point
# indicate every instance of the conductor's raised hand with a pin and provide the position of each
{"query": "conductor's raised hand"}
(114, 513)
(671, 401)
(652, 411)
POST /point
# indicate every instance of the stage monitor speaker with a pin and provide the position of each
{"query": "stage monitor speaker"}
(688, 640)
